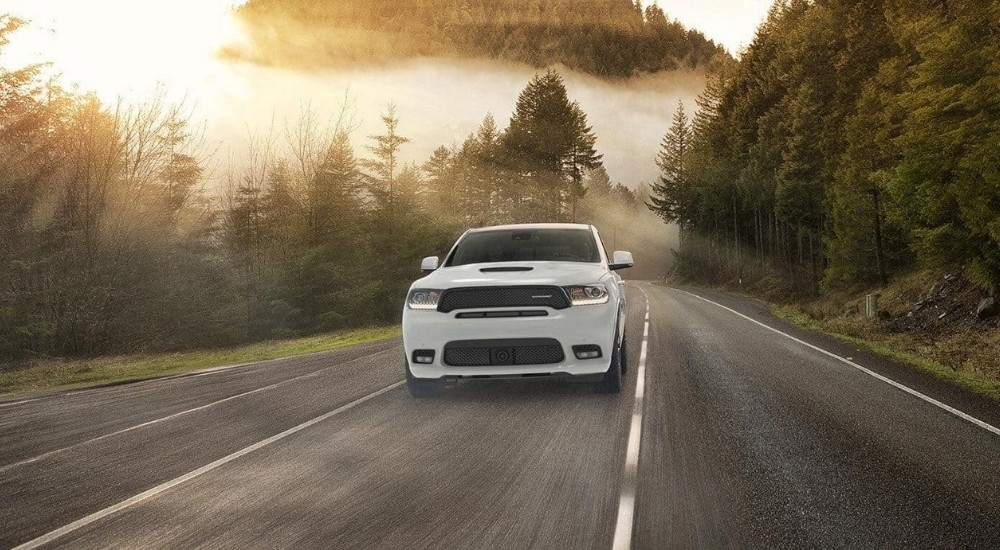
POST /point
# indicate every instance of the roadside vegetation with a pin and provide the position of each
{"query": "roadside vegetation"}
(55, 374)
(851, 150)
(121, 234)
(851, 143)
(943, 336)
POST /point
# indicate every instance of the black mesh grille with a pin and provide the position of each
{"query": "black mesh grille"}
(503, 296)
(538, 355)
(482, 353)
(467, 357)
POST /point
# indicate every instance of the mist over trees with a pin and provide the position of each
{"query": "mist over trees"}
(110, 241)
(608, 38)
(850, 142)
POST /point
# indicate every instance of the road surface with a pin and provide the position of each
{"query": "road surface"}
(743, 432)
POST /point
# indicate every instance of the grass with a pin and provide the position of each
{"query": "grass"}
(972, 374)
(50, 375)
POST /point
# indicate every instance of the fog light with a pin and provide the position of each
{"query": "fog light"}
(589, 351)
(423, 356)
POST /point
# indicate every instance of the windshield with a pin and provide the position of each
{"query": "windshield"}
(518, 245)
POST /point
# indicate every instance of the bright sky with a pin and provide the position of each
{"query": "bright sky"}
(116, 46)
(729, 22)
(129, 48)
(120, 46)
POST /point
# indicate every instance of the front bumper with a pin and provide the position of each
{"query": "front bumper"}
(574, 326)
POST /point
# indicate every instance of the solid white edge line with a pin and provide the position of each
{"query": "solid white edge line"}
(191, 374)
(626, 501)
(634, 438)
(623, 525)
(26, 461)
(893, 383)
(19, 402)
(83, 522)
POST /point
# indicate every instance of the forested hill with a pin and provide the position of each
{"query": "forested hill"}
(608, 38)
(852, 142)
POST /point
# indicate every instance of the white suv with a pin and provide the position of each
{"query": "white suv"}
(517, 301)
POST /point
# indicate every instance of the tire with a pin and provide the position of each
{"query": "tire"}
(624, 357)
(612, 382)
(420, 387)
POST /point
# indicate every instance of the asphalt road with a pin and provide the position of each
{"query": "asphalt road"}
(745, 437)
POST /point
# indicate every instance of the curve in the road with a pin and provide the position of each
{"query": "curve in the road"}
(967, 417)
(740, 435)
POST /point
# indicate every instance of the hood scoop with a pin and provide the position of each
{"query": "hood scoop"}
(505, 269)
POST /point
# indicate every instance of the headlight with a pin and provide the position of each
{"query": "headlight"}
(588, 295)
(423, 298)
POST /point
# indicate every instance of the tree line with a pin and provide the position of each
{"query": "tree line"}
(850, 142)
(324, 239)
(111, 240)
(608, 38)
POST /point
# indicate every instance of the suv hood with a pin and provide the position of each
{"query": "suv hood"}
(504, 274)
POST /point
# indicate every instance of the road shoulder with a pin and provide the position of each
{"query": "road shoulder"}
(974, 404)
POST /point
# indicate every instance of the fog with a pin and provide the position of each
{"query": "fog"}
(135, 259)
(120, 49)
(638, 231)
(439, 102)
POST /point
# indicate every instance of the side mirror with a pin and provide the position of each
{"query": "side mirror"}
(621, 260)
(428, 264)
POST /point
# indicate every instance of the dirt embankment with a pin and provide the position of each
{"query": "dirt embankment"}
(950, 305)
(943, 324)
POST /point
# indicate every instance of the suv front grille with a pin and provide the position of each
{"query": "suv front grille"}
(483, 353)
(503, 296)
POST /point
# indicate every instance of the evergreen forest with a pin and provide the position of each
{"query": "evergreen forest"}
(112, 239)
(607, 38)
(851, 142)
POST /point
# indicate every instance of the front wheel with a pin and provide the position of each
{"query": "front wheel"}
(422, 387)
(612, 382)
(624, 356)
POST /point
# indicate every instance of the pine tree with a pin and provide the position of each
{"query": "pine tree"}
(670, 197)
(598, 182)
(582, 155)
(547, 145)
(332, 199)
(947, 178)
(484, 176)
(442, 192)
(385, 163)
(279, 209)
(799, 193)
(799, 196)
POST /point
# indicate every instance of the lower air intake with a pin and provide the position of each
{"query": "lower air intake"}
(484, 353)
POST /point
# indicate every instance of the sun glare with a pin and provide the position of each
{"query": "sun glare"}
(124, 48)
